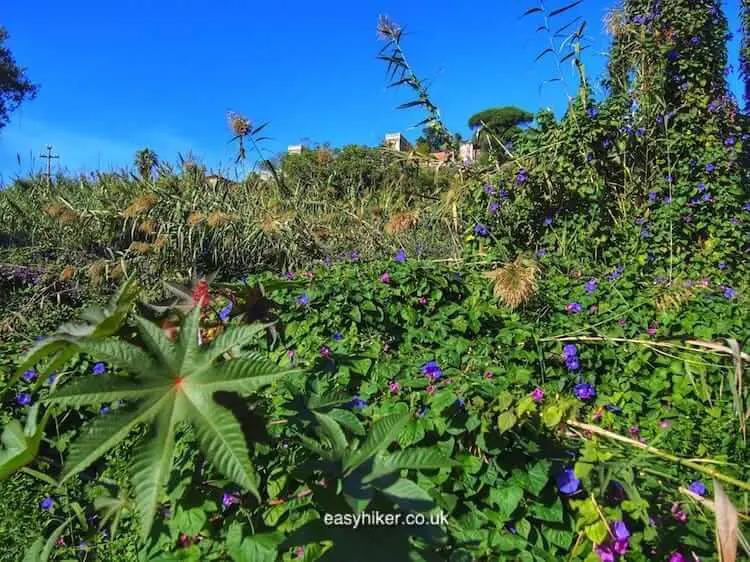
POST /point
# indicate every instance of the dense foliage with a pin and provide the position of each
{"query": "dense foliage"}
(545, 358)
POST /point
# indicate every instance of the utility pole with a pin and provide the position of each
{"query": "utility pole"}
(49, 157)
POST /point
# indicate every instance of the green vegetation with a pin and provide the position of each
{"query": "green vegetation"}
(550, 350)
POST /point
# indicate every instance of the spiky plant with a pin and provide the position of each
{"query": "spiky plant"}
(146, 161)
(168, 383)
(514, 283)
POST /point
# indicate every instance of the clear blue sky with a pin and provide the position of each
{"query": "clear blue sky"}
(118, 76)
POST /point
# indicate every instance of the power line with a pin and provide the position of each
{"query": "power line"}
(49, 157)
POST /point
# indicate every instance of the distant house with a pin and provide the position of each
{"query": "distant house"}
(213, 180)
(294, 149)
(468, 153)
(397, 142)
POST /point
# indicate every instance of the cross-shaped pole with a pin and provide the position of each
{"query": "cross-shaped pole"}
(49, 157)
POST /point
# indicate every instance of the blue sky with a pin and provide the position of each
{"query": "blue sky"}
(118, 76)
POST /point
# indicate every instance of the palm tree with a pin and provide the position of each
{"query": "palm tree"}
(146, 161)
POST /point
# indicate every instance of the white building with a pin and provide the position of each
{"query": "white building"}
(397, 142)
(294, 149)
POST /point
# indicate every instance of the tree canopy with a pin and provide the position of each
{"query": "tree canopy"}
(15, 87)
(500, 119)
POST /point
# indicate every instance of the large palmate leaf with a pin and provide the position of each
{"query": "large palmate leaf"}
(99, 322)
(169, 383)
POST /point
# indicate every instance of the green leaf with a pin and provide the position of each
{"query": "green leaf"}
(348, 420)
(333, 431)
(233, 338)
(239, 375)
(551, 416)
(413, 459)
(41, 550)
(187, 344)
(559, 11)
(506, 421)
(408, 494)
(152, 464)
(383, 433)
(104, 433)
(158, 343)
(106, 388)
(222, 441)
(598, 532)
(119, 354)
(538, 476)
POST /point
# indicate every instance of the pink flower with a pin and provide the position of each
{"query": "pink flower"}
(634, 431)
(664, 424)
(299, 552)
(678, 514)
(394, 387)
(651, 331)
(385, 278)
(309, 274)
(423, 300)
(488, 375)
(537, 395)
(605, 553)
(622, 321)
(290, 353)
(325, 351)
(431, 389)
(677, 557)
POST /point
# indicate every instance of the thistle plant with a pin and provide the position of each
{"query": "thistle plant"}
(167, 384)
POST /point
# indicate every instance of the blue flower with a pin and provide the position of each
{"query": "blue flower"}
(584, 391)
(226, 311)
(422, 412)
(481, 230)
(24, 399)
(303, 300)
(357, 403)
(569, 350)
(567, 482)
(432, 370)
(573, 308)
(503, 194)
(541, 252)
(652, 196)
(616, 274)
(667, 200)
(493, 207)
(400, 256)
(640, 132)
(572, 363)
(729, 141)
(522, 176)
(673, 55)
(701, 187)
(746, 206)
(645, 233)
(729, 293)
(354, 255)
(606, 143)
(697, 487)
(46, 503)
(337, 336)
(695, 40)
(710, 167)
(592, 112)
(612, 408)
(104, 410)
(489, 190)
(99, 368)
(548, 221)
(30, 375)
(51, 379)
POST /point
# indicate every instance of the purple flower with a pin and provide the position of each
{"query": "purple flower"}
(325, 351)
(569, 350)
(652, 196)
(722, 265)
(695, 40)
(229, 499)
(24, 399)
(385, 278)
(612, 408)
(697, 487)
(567, 482)
(432, 370)
(616, 274)
(46, 503)
(639, 20)
(710, 167)
(503, 194)
(640, 132)
(481, 230)
(354, 255)
(677, 557)
(541, 252)
(337, 336)
(548, 221)
(493, 207)
(605, 553)
(51, 379)
(645, 233)
(592, 112)
(589, 157)
(572, 363)
(303, 300)
(667, 200)
(537, 395)
(522, 176)
(99, 368)
(584, 391)
(729, 141)
(746, 206)
(573, 308)
(673, 55)
(591, 285)
(400, 256)
(489, 190)
(620, 530)
(606, 143)
(226, 311)
(30, 375)
(701, 187)
(729, 293)
(735, 221)
(104, 410)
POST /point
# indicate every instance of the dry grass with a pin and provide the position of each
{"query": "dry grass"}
(401, 222)
(514, 283)
(196, 218)
(140, 247)
(141, 205)
(62, 213)
(160, 243)
(148, 226)
(675, 297)
(239, 124)
(68, 273)
(217, 219)
(97, 272)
